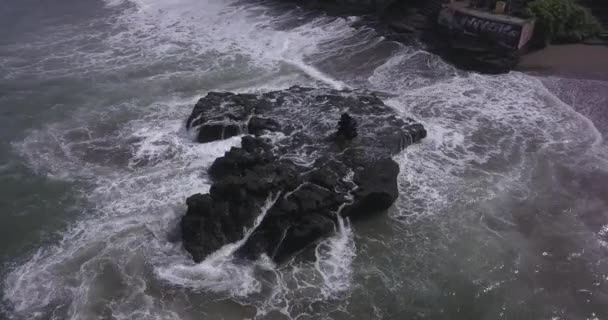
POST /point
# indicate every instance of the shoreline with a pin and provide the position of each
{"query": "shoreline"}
(586, 96)
(577, 74)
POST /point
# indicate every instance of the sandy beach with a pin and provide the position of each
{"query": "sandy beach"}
(572, 61)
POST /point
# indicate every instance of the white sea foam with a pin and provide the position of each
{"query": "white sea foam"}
(334, 258)
(483, 131)
(219, 272)
(133, 211)
(241, 38)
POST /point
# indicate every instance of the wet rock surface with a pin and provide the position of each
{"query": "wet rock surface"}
(296, 172)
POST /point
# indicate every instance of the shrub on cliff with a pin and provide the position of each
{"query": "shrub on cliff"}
(562, 21)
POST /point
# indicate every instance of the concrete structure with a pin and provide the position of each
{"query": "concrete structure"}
(506, 31)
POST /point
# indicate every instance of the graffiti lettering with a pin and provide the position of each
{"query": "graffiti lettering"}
(482, 26)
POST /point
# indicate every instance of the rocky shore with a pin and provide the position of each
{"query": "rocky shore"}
(309, 157)
(415, 22)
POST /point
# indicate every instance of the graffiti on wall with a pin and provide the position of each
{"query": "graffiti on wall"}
(507, 33)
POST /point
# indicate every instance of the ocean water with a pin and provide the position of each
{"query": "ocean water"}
(503, 208)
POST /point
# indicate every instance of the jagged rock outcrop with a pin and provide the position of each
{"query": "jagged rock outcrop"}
(295, 174)
(347, 127)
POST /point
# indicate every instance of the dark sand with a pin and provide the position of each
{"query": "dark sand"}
(571, 61)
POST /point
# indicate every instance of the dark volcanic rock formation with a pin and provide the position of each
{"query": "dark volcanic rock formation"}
(295, 175)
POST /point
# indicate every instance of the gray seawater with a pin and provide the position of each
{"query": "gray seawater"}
(503, 212)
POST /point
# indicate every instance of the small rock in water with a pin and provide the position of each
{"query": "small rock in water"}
(347, 127)
(288, 184)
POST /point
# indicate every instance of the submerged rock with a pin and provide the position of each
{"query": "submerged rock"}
(347, 127)
(292, 181)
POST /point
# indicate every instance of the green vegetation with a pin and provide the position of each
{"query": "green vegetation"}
(562, 21)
